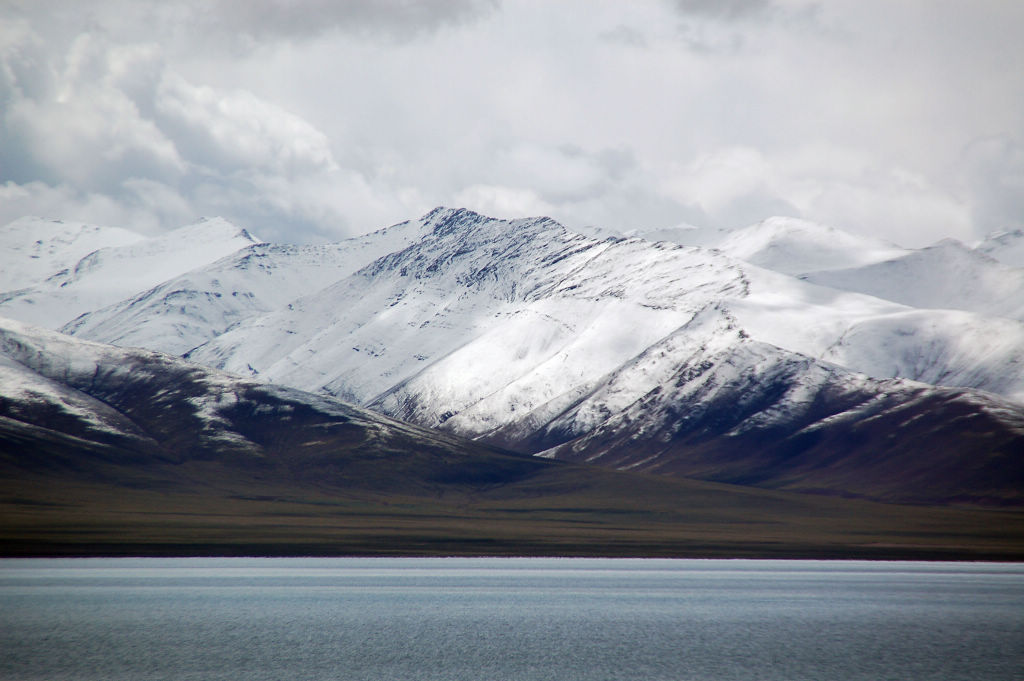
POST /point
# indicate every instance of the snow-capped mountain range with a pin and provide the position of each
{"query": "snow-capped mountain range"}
(636, 353)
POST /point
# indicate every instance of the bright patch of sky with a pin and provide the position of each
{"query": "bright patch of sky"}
(312, 121)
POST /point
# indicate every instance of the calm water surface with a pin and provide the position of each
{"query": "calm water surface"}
(479, 619)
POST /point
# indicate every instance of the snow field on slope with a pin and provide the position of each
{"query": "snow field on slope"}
(528, 358)
(707, 334)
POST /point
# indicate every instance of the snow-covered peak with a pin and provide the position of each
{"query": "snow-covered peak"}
(466, 249)
(471, 227)
(795, 246)
(209, 230)
(176, 251)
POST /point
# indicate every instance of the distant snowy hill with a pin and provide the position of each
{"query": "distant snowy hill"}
(1006, 247)
(787, 245)
(793, 246)
(33, 248)
(110, 273)
(942, 347)
(948, 275)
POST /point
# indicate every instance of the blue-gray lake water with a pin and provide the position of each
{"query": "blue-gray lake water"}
(505, 619)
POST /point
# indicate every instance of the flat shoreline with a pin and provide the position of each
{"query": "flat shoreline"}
(650, 518)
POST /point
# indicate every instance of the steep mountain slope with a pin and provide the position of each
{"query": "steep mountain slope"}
(732, 409)
(193, 308)
(32, 248)
(109, 274)
(947, 275)
(111, 451)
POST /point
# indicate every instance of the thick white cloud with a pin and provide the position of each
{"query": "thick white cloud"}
(321, 119)
(84, 128)
(236, 131)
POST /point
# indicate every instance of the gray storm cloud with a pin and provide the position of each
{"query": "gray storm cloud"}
(316, 120)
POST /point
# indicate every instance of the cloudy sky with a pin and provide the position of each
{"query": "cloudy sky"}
(311, 121)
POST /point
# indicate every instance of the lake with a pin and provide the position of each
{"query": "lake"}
(508, 619)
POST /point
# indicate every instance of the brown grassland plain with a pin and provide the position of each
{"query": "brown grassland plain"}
(209, 509)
